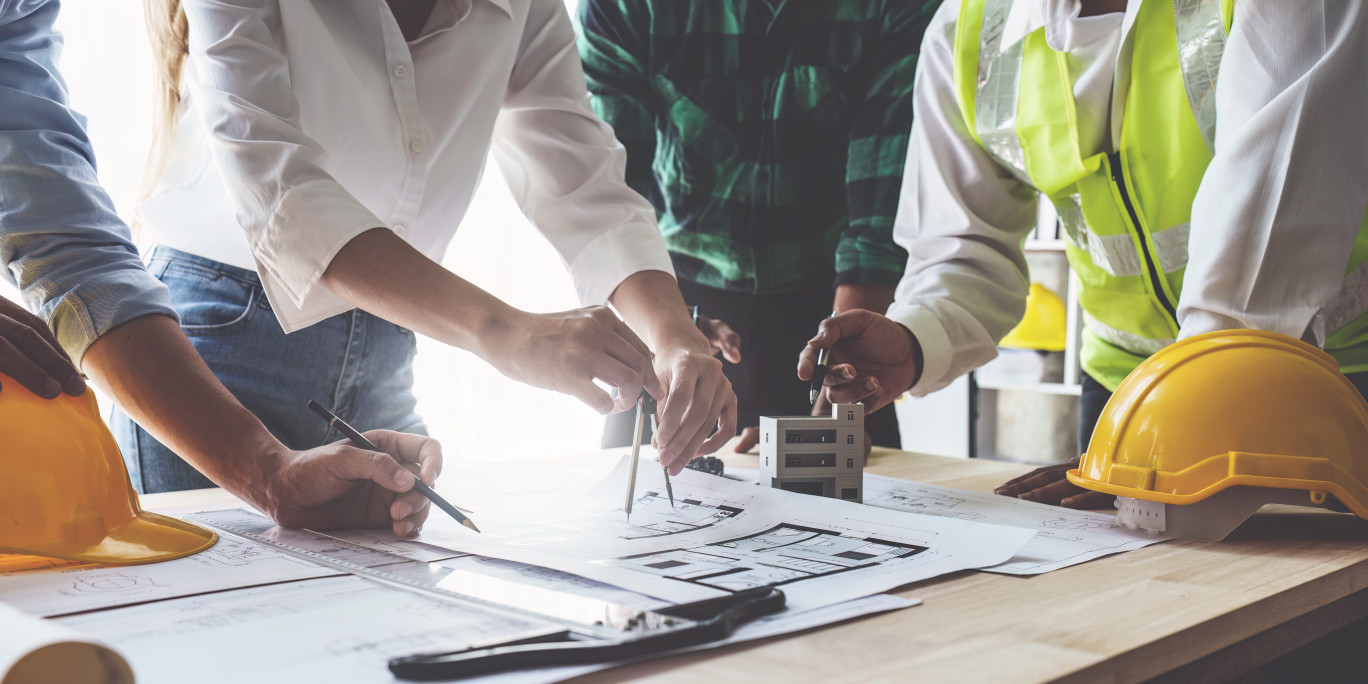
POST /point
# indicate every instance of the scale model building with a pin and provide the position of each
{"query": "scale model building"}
(815, 454)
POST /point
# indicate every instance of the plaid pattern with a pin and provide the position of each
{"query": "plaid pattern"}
(770, 135)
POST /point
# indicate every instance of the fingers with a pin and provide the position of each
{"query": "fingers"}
(1053, 493)
(589, 393)
(857, 390)
(722, 338)
(27, 355)
(407, 448)
(352, 463)
(726, 426)
(749, 438)
(1089, 500)
(674, 412)
(618, 375)
(641, 359)
(408, 513)
(704, 426)
(1036, 478)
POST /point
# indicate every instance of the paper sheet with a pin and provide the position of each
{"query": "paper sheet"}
(1064, 536)
(725, 536)
(340, 629)
(35, 651)
(232, 563)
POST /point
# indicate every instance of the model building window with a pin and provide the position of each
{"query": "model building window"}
(850, 415)
(850, 463)
(850, 439)
(810, 437)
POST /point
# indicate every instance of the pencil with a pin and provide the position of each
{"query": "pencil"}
(818, 374)
(360, 440)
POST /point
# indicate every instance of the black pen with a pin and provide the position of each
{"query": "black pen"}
(818, 374)
(360, 440)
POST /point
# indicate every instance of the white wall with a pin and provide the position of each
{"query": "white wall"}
(473, 409)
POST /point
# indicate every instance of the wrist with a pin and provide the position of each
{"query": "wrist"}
(256, 470)
(489, 330)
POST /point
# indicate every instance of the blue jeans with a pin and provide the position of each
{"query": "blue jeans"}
(356, 364)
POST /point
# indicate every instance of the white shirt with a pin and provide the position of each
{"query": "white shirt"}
(1273, 220)
(308, 123)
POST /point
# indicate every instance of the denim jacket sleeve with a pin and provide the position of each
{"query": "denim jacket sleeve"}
(61, 243)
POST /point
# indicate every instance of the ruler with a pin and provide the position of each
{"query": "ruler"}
(558, 611)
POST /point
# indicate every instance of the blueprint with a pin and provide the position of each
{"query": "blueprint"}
(343, 629)
(724, 536)
(1063, 537)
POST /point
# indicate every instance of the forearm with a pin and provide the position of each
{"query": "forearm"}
(380, 273)
(650, 303)
(150, 369)
(874, 298)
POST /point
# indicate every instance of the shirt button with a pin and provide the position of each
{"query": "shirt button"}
(400, 229)
(416, 146)
(400, 71)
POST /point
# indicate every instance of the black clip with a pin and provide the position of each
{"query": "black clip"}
(714, 620)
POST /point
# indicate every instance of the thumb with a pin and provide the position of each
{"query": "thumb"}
(749, 438)
(360, 464)
(731, 347)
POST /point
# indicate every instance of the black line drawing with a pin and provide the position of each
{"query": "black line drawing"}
(686, 516)
(110, 582)
(1072, 524)
(782, 554)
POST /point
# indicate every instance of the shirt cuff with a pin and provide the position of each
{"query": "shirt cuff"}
(612, 257)
(312, 223)
(935, 345)
(104, 302)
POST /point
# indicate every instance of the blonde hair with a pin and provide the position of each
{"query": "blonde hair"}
(170, 36)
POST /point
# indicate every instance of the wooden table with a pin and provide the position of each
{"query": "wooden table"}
(1181, 611)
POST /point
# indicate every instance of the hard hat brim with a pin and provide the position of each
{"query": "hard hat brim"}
(147, 538)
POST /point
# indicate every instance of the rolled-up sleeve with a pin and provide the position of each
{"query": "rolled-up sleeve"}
(565, 168)
(61, 243)
(297, 217)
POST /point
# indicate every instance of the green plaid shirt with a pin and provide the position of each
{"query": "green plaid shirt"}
(770, 136)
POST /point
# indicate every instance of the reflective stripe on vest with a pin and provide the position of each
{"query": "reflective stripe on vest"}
(1126, 214)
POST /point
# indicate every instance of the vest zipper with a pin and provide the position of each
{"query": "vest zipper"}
(1119, 178)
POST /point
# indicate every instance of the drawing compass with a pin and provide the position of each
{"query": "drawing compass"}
(648, 405)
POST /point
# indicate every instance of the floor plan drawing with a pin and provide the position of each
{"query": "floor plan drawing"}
(1064, 537)
(230, 563)
(779, 555)
(724, 535)
(656, 518)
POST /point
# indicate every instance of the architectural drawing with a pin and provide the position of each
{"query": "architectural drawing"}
(779, 555)
(926, 503)
(815, 454)
(105, 583)
(231, 563)
(654, 517)
(769, 536)
(1076, 524)
(1064, 537)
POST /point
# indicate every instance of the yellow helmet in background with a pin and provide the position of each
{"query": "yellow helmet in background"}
(1207, 420)
(1044, 325)
(64, 490)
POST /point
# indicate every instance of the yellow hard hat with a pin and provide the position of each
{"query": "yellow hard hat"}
(64, 490)
(1231, 410)
(1044, 325)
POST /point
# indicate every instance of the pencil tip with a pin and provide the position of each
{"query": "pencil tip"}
(471, 524)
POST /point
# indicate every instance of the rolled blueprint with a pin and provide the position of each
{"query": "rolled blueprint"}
(37, 651)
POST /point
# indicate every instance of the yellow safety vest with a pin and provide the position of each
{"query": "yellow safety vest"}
(1125, 213)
